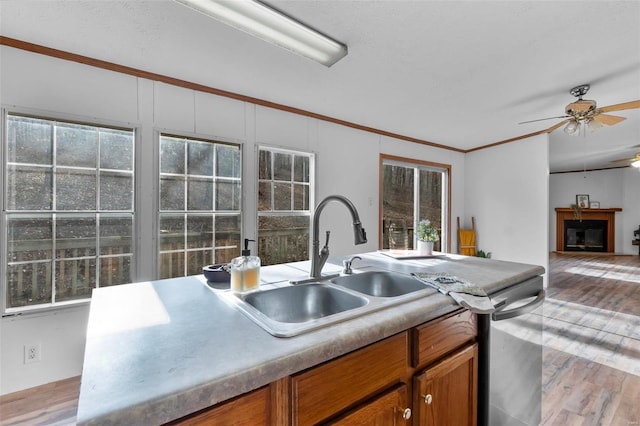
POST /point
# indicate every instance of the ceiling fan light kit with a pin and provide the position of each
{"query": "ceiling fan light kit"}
(584, 113)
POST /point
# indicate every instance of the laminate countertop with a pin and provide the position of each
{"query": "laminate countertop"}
(160, 350)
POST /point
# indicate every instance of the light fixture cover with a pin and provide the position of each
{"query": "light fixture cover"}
(636, 164)
(268, 24)
(572, 127)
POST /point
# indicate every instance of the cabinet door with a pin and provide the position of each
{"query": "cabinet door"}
(446, 393)
(388, 409)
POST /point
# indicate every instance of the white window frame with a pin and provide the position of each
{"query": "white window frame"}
(158, 175)
(71, 119)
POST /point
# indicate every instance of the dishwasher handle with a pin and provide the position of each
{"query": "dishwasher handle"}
(500, 315)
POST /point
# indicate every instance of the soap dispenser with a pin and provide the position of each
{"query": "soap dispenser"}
(245, 271)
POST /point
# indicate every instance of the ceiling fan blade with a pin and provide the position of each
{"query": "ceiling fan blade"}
(609, 120)
(622, 106)
(555, 126)
(542, 119)
(625, 159)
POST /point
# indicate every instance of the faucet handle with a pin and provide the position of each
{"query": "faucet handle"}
(346, 265)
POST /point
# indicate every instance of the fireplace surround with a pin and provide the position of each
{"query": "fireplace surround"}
(580, 233)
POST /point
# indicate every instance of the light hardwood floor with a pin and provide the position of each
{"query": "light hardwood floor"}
(591, 364)
(591, 338)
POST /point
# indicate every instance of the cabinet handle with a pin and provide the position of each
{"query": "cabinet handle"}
(406, 414)
(428, 399)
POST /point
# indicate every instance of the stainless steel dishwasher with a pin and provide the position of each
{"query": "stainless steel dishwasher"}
(510, 357)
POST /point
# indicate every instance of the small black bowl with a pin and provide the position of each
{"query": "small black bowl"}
(216, 273)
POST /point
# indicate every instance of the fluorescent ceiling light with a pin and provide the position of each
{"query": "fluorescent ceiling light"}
(270, 25)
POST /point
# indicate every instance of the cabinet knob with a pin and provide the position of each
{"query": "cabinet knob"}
(428, 399)
(406, 414)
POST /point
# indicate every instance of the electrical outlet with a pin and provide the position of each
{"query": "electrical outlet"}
(32, 353)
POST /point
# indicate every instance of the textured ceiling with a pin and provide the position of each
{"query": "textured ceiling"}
(461, 74)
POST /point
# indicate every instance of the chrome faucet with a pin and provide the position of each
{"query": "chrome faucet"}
(319, 257)
(346, 265)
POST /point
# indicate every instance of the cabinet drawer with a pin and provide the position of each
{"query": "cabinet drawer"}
(323, 391)
(250, 409)
(433, 340)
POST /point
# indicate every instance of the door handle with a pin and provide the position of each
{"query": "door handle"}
(520, 310)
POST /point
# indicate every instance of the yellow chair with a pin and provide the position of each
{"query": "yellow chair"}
(467, 239)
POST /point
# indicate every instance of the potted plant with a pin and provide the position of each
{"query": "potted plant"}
(427, 234)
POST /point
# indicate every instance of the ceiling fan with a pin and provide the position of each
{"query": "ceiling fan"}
(585, 112)
(634, 161)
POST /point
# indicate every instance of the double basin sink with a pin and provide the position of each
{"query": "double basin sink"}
(296, 309)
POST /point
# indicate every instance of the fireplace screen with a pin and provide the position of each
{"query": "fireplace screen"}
(585, 235)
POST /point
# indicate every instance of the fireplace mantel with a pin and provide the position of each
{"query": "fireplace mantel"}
(563, 213)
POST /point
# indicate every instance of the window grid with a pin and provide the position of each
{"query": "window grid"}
(284, 214)
(178, 221)
(59, 265)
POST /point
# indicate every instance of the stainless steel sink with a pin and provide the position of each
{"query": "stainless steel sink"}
(380, 283)
(303, 303)
(291, 310)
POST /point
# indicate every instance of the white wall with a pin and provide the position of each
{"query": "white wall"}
(506, 190)
(347, 163)
(612, 188)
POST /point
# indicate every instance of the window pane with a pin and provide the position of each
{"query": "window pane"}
(196, 259)
(282, 166)
(283, 239)
(75, 236)
(199, 194)
(300, 197)
(172, 265)
(171, 155)
(228, 161)
(116, 149)
(29, 188)
(76, 189)
(172, 193)
(76, 145)
(29, 237)
(115, 270)
(171, 232)
(228, 195)
(116, 191)
(301, 168)
(264, 166)
(227, 238)
(431, 199)
(30, 140)
(116, 233)
(75, 279)
(200, 158)
(397, 207)
(282, 196)
(28, 284)
(199, 231)
(264, 196)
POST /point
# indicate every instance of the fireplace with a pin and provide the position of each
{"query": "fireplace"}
(585, 235)
(593, 231)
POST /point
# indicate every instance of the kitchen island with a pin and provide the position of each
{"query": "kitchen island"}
(159, 351)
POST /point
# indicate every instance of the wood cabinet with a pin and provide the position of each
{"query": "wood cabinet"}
(249, 409)
(445, 394)
(423, 376)
(390, 408)
(322, 392)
